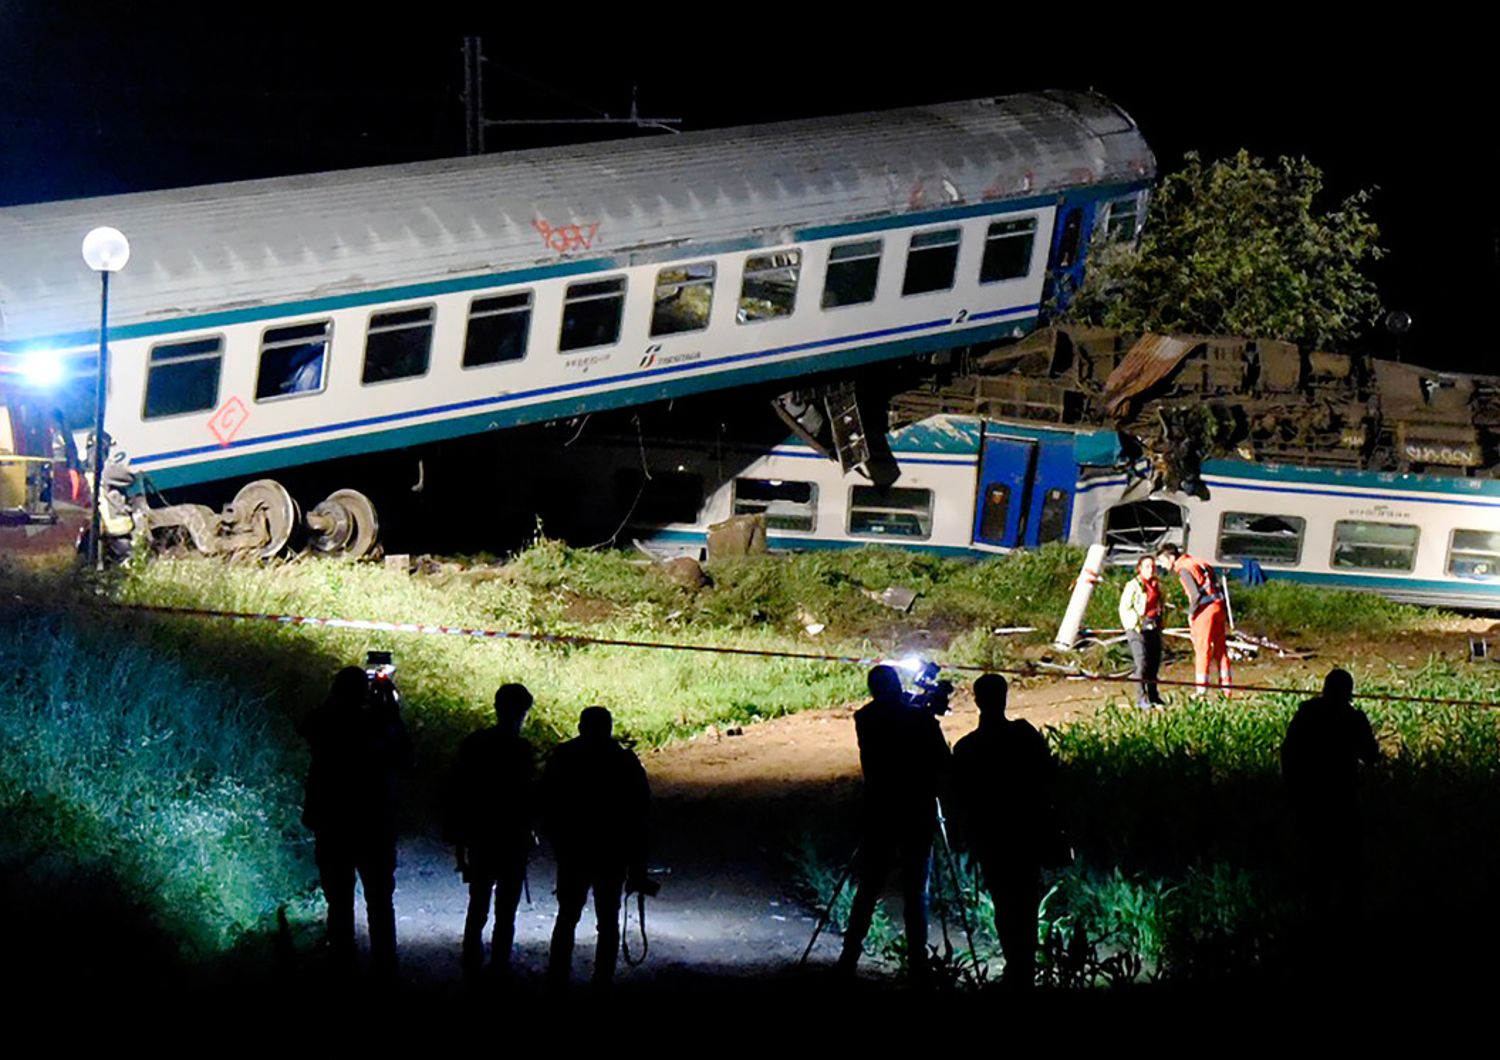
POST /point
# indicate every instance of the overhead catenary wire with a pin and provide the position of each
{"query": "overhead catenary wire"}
(577, 640)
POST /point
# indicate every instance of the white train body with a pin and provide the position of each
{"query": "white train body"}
(278, 322)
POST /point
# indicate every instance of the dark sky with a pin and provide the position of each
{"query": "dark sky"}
(95, 99)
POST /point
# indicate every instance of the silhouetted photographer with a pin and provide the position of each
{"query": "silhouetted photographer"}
(490, 825)
(1326, 743)
(595, 801)
(904, 759)
(359, 745)
(1003, 780)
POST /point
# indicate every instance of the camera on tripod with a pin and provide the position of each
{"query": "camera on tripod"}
(924, 689)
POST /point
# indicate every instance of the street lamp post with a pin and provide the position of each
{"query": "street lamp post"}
(105, 250)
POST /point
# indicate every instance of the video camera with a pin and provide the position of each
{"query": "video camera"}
(924, 689)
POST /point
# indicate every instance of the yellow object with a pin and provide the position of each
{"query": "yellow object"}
(12, 471)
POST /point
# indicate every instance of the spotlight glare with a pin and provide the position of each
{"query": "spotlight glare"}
(42, 369)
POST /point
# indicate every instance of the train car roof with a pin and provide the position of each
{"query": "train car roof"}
(222, 247)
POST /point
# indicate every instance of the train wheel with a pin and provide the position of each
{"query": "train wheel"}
(265, 507)
(345, 523)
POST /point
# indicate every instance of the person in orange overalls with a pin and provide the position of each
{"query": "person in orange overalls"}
(1207, 614)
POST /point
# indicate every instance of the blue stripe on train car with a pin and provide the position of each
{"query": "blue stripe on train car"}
(496, 416)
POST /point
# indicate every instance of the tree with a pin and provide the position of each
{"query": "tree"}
(1239, 247)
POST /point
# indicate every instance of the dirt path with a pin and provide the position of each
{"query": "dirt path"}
(730, 810)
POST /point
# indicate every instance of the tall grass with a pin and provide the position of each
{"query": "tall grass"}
(120, 765)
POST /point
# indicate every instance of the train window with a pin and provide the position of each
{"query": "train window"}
(292, 360)
(665, 497)
(398, 345)
(993, 515)
(1053, 524)
(1139, 528)
(770, 286)
(183, 377)
(786, 505)
(498, 328)
(1007, 250)
(1474, 554)
(1375, 546)
(893, 512)
(931, 260)
(1121, 219)
(591, 314)
(853, 269)
(684, 297)
(1274, 539)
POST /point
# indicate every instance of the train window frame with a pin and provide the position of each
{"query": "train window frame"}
(1454, 549)
(746, 272)
(656, 295)
(530, 310)
(217, 337)
(810, 505)
(431, 309)
(1333, 552)
(1121, 546)
(562, 327)
(1055, 512)
(994, 517)
(956, 233)
(1109, 232)
(855, 506)
(830, 262)
(329, 327)
(1264, 561)
(991, 237)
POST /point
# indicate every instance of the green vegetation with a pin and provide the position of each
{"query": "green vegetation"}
(1240, 247)
(158, 756)
(1183, 840)
(122, 767)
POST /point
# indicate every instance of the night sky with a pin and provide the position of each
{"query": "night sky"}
(95, 100)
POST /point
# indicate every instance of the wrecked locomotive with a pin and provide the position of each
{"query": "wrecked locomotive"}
(278, 322)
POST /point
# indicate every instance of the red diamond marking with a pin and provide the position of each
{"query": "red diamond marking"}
(226, 423)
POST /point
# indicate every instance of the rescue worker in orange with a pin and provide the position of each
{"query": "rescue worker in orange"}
(1207, 614)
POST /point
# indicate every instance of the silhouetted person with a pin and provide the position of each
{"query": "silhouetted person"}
(359, 744)
(1325, 743)
(904, 759)
(595, 799)
(1003, 779)
(491, 825)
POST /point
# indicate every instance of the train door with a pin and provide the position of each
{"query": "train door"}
(1050, 512)
(1065, 262)
(1005, 473)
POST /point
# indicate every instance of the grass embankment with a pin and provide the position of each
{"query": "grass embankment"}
(155, 758)
(140, 801)
(1184, 863)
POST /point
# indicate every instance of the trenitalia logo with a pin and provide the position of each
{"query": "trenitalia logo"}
(653, 358)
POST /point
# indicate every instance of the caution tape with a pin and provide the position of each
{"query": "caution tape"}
(574, 640)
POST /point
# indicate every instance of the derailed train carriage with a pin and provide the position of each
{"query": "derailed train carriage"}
(271, 323)
(971, 486)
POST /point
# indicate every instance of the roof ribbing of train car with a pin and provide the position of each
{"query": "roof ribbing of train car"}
(237, 246)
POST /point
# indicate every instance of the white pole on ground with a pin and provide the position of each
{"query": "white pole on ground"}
(1083, 589)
